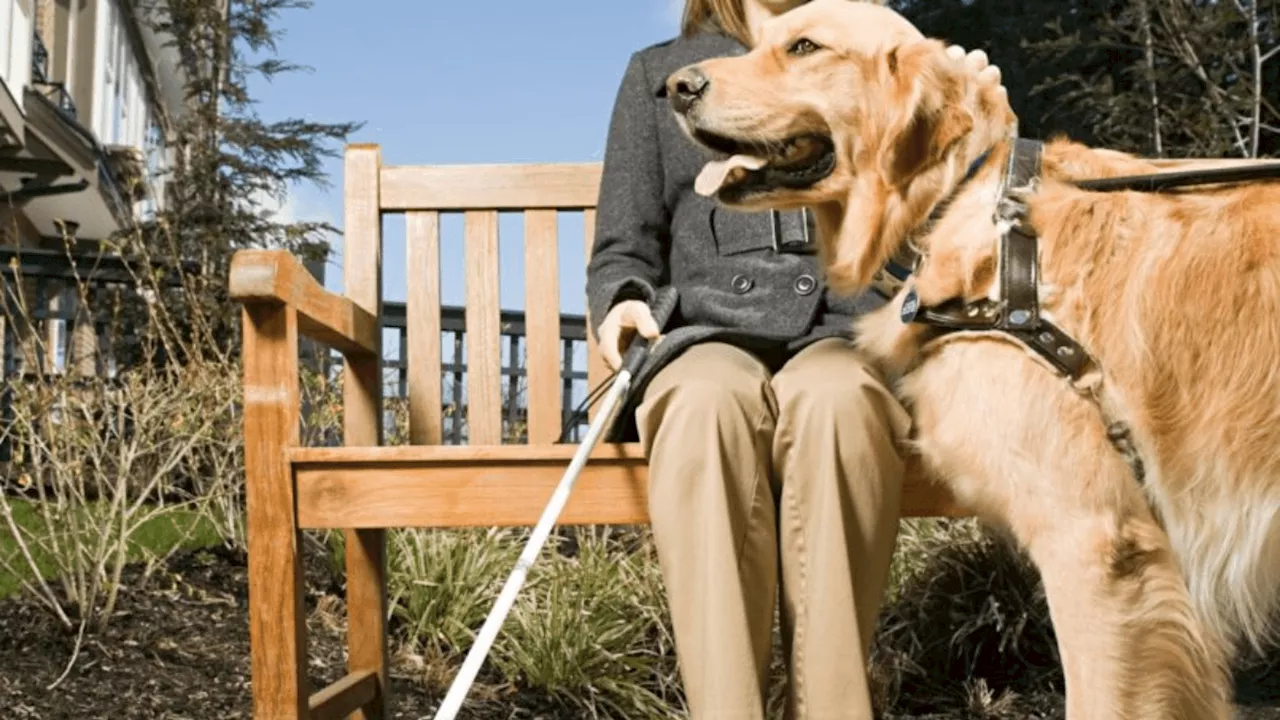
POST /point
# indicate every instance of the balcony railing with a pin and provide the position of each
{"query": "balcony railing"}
(55, 92)
(39, 59)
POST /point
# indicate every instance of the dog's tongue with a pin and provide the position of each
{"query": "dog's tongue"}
(715, 172)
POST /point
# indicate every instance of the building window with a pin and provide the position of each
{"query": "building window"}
(16, 31)
(9, 27)
(121, 116)
(105, 112)
(154, 152)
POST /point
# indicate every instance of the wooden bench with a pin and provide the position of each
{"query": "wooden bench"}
(364, 488)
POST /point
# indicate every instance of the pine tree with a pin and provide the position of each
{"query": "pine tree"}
(1004, 29)
(226, 158)
(1172, 78)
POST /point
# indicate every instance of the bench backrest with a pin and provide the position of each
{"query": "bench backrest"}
(479, 192)
(542, 192)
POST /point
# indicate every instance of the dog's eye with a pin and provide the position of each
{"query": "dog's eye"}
(803, 46)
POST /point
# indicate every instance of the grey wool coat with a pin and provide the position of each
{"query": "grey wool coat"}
(739, 275)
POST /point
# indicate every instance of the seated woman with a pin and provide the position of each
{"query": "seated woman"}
(773, 446)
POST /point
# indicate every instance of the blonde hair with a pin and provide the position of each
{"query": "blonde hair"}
(728, 15)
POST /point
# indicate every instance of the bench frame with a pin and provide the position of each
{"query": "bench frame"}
(364, 487)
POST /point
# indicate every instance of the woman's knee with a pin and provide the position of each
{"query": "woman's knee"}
(833, 385)
(710, 385)
(707, 424)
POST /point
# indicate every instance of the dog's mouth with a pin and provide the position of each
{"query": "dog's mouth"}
(751, 167)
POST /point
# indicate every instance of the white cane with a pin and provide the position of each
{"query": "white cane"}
(663, 306)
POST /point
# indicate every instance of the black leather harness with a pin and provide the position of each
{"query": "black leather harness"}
(1016, 310)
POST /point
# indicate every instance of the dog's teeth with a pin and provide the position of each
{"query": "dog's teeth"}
(795, 149)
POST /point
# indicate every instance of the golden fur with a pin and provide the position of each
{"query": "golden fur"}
(1177, 295)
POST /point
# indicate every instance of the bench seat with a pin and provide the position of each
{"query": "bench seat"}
(491, 486)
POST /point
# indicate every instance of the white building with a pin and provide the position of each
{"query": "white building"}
(88, 93)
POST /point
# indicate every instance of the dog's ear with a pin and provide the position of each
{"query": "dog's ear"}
(922, 97)
(926, 94)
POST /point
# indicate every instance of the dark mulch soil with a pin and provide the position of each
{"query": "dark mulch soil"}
(178, 649)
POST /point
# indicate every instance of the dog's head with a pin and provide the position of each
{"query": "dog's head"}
(844, 107)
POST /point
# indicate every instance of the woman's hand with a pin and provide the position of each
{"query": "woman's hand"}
(977, 61)
(620, 326)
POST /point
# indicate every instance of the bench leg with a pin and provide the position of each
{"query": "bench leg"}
(366, 549)
(277, 616)
(367, 613)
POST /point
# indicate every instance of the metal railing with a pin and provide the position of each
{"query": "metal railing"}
(51, 296)
(54, 92)
(39, 59)
(40, 305)
(573, 337)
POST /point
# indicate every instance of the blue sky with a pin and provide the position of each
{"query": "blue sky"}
(469, 81)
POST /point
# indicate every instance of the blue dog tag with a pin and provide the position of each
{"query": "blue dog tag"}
(910, 306)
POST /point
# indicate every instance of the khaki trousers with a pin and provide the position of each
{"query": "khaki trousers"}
(762, 482)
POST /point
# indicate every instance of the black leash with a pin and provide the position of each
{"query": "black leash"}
(1157, 182)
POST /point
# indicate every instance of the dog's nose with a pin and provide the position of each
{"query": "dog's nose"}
(685, 86)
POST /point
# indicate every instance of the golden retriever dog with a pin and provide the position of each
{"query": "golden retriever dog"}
(1123, 419)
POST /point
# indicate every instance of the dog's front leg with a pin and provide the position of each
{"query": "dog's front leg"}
(1020, 448)
(1130, 644)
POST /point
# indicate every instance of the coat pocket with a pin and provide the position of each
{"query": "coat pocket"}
(737, 232)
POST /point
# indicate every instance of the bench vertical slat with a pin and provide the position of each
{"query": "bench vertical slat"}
(597, 369)
(277, 616)
(542, 325)
(423, 321)
(362, 423)
(484, 358)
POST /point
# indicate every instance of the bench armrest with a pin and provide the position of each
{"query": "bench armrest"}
(276, 276)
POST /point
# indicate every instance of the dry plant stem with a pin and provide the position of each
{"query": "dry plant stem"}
(90, 547)
(1149, 51)
(118, 542)
(1251, 14)
(104, 456)
(75, 654)
(72, 577)
(127, 528)
(45, 593)
(200, 323)
(1182, 44)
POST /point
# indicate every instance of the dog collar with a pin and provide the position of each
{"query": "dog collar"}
(907, 259)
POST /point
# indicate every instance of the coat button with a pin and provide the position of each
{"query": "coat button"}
(805, 284)
(741, 284)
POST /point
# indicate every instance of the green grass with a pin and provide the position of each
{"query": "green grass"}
(176, 529)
